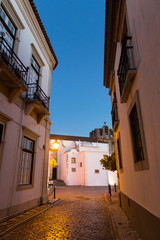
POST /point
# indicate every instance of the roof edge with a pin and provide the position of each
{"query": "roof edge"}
(76, 138)
(111, 10)
(43, 30)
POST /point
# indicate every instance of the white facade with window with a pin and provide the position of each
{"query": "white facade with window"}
(131, 72)
(78, 163)
(27, 60)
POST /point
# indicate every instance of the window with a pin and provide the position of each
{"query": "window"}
(80, 164)
(106, 130)
(96, 171)
(7, 29)
(119, 153)
(136, 135)
(34, 71)
(4, 119)
(73, 169)
(127, 68)
(100, 132)
(73, 160)
(26, 162)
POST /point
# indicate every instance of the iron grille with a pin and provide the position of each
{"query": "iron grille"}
(36, 92)
(126, 62)
(8, 56)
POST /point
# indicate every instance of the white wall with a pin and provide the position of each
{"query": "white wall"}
(141, 186)
(31, 34)
(12, 154)
(89, 154)
(74, 178)
(92, 162)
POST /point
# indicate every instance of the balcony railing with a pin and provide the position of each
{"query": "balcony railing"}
(35, 92)
(10, 59)
(127, 68)
(115, 119)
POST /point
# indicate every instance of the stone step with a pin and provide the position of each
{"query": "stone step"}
(58, 182)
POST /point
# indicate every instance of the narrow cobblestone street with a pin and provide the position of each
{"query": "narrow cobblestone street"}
(82, 214)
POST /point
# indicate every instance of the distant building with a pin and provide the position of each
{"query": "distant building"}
(104, 134)
(78, 162)
(27, 60)
(132, 74)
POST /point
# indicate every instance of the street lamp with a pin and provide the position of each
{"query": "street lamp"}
(55, 145)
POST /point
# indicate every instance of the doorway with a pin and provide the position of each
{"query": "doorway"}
(54, 174)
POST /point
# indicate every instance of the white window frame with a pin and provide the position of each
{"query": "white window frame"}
(12, 14)
(4, 119)
(26, 162)
(34, 137)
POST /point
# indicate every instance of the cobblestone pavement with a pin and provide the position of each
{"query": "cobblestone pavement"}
(82, 214)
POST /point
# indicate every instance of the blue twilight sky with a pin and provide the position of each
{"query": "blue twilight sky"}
(79, 102)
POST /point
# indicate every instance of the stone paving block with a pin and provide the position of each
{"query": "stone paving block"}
(82, 214)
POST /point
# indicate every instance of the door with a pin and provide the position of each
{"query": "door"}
(54, 173)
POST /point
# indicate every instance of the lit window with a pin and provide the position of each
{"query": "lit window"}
(73, 160)
(26, 162)
(96, 171)
(73, 169)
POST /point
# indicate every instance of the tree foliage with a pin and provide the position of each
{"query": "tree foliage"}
(109, 162)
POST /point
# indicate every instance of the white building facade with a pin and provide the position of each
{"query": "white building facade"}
(131, 72)
(78, 163)
(27, 60)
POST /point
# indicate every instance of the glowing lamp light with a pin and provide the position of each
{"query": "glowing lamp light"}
(52, 163)
(55, 145)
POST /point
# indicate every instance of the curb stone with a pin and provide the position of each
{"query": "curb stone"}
(122, 226)
(114, 227)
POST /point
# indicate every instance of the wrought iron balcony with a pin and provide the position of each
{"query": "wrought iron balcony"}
(35, 92)
(13, 63)
(127, 69)
(115, 119)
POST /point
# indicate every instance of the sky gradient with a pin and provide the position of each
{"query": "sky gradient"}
(79, 101)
